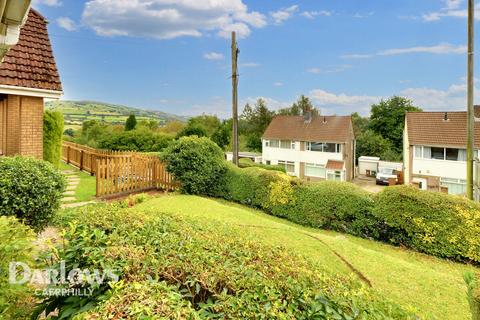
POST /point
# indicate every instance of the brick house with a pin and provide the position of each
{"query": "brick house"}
(313, 148)
(28, 75)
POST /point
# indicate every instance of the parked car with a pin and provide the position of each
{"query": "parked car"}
(385, 174)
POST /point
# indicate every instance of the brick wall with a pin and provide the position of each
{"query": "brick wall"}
(24, 126)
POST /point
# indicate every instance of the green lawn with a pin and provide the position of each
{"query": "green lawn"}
(86, 189)
(433, 287)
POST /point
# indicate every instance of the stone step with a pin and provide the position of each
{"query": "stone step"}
(68, 199)
(76, 204)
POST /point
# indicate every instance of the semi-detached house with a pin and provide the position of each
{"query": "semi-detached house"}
(435, 150)
(310, 147)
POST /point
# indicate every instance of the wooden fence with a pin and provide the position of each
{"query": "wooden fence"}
(119, 172)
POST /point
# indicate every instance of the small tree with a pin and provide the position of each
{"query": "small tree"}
(52, 136)
(222, 135)
(192, 131)
(131, 123)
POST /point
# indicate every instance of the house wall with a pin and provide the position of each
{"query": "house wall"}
(23, 126)
(440, 168)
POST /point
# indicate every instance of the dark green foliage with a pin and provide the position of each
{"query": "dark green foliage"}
(473, 293)
(208, 123)
(198, 163)
(143, 140)
(223, 134)
(201, 270)
(16, 244)
(52, 136)
(247, 164)
(299, 108)
(192, 131)
(254, 142)
(30, 190)
(431, 222)
(131, 123)
(373, 144)
(254, 123)
(388, 119)
(332, 205)
(69, 132)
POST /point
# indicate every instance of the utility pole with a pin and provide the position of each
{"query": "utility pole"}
(470, 88)
(235, 52)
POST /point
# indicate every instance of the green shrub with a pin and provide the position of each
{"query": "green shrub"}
(52, 136)
(247, 164)
(473, 294)
(198, 163)
(176, 268)
(142, 140)
(30, 190)
(431, 222)
(16, 245)
(332, 205)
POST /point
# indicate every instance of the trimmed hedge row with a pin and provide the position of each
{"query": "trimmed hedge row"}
(434, 223)
(53, 124)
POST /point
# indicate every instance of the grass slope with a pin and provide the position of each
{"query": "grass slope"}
(433, 287)
(86, 189)
(75, 112)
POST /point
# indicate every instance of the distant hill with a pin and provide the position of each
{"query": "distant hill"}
(75, 112)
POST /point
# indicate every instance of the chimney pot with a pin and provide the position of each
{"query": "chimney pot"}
(307, 116)
(445, 116)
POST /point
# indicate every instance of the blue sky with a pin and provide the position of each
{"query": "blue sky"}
(174, 55)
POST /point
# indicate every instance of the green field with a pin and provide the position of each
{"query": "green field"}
(75, 112)
(433, 287)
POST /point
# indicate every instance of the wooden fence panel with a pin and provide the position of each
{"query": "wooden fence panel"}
(119, 172)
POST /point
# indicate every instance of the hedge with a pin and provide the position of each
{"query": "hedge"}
(53, 124)
(332, 205)
(30, 190)
(431, 222)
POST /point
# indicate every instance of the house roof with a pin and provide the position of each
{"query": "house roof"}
(335, 165)
(431, 129)
(30, 63)
(319, 129)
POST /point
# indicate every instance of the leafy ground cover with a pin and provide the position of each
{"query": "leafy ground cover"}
(434, 287)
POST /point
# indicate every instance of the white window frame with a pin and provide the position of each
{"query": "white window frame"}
(286, 164)
(422, 152)
(338, 146)
(315, 166)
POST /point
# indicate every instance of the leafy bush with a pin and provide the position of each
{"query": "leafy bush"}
(198, 163)
(135, 140)
(332, 205)
(176, 268)
(52, 136)
(247, 163)
(473, 294)
(431, 222)
(16, 245)
(30, 190)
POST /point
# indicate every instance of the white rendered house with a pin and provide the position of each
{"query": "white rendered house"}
(435, 150)
(311, 148)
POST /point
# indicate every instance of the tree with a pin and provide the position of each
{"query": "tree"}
(192, 131)
(255, 122)
(299, 108)
(131, 123)
(388, 119)
(370, 143)
(69, 132)
(207, 122)
(222, 135)
(360, 124)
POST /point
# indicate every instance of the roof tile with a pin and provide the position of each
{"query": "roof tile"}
(30, 63)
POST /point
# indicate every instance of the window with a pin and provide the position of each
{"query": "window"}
(273, 143)
(334, 175)
(315, 170)
(324, 147)
(455, 186)
(289, 166)
(287, 144)
(451, 154)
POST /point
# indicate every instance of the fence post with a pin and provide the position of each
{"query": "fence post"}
(81, 160)
(98, 178)
(68, 154)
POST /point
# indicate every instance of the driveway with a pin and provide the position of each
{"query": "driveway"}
(368, 184)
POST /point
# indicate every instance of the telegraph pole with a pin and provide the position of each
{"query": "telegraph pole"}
(235, 52)
(470, 88)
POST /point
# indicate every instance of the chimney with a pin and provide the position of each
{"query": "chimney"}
(324, 119)
(445, 116)
(307, 116)
(476, 112)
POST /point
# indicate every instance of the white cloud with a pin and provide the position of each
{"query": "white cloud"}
(453, 98)
(67, 23)
(314, 14)
(444, 48)
(359, 15)
(343, 103)
(249, 65)
(50, 3)
(278, 84)
(284, 14)
(168, 19)
(335, 69)
(452, 9)
(214, 56)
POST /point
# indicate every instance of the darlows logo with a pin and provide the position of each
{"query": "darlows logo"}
(60, 282)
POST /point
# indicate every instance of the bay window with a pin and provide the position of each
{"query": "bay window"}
(314, 170)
